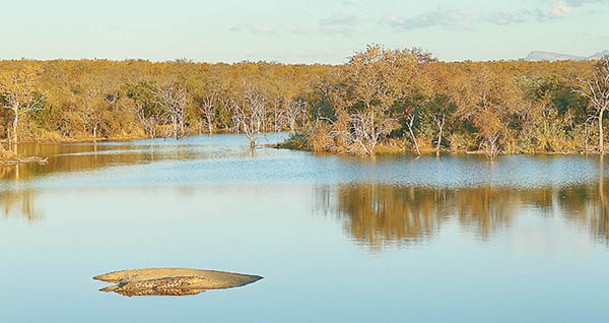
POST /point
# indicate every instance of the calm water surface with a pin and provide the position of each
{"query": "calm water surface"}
(397, 238)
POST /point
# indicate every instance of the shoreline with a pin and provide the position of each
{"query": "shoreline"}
(387, 151)
(381, 150)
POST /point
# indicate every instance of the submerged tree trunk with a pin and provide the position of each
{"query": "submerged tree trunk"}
(439, 145)
(490, 147)
(440, 130)
(175, 127)
(414, 139)
(9, 138)
(15, 127)
(601, 142)
(95, 129)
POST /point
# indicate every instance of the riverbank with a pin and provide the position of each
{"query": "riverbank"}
(296, 141)
(27, 160)
(300, 141)
(8, 157)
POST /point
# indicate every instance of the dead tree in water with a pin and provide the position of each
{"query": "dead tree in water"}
(249, 114)
(296, 109)
(208, 109)
(490, 147)
(173, 100)
(410, 125)
(366, 132)
(440, 123)
(146, 105)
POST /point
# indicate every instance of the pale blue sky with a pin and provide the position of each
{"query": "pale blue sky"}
(298, 32)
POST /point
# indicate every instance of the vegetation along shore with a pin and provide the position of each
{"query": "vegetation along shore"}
(381, 100)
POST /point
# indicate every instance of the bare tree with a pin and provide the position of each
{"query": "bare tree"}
(410, 117)
(490, 147)
(208, 108)
(440, 123)
(596, 89)
(18, 92)
(146, 105)
(365, 133)
(173, 99)
(437, 109)
(249, 114)
(226, 113)
(294, 110)
(149, 119)
(91, 111)
(278, 114)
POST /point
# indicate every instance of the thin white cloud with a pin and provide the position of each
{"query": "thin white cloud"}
(256, 29)
(451, 18)
(564, 8)
(439, 17)
(340, 22)
(508, 17)
(579, 3)
(559, 9)
(300, 29)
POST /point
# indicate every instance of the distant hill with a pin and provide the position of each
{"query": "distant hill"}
(599, 55)
(537, 56)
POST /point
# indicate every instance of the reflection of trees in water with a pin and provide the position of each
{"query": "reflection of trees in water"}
(596, 211)
(82, 157)
(589, 204)
(20, 203)
(599, 221)
(485, 208)
(7, 172)
(379, 214)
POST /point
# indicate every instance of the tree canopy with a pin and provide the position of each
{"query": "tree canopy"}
(380, 99)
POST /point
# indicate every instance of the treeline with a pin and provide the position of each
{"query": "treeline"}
(404, 99)
(87, 99)
(400, 100)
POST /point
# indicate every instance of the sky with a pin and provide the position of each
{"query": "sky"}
(309, 31)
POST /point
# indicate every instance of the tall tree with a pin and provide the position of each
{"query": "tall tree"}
(146, 105)
(488, 100)
(208, 105)
(173, 98)
(249, 112)
(437, 111)
(18, 91)
(596, 89)
(375, 81)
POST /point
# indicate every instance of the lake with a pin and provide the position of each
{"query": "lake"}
(337, 238)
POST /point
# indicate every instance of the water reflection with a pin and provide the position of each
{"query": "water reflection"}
(20, 203)
(391, 200)
(82, 157)
(169, 287)
(379, 215)
(172, 281)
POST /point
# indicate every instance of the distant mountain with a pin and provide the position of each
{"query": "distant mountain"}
(599, 55)
(537, 56)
